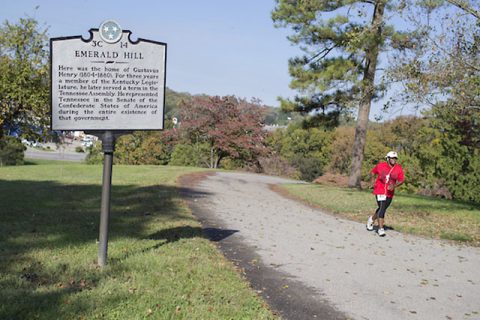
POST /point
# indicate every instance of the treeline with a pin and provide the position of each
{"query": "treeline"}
(437, 162)
(440, 157)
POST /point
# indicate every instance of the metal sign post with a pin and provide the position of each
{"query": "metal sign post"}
(108, 146)
(108, 139)
(105, 209)
(107, 85)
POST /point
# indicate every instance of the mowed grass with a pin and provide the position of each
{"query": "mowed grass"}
(160, 266)
(424, 216)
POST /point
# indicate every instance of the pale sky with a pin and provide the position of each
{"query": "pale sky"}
(216, 47)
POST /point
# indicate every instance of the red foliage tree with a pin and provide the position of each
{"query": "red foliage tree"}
(231, 127)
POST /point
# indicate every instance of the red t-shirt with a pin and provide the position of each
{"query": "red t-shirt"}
(387, 175)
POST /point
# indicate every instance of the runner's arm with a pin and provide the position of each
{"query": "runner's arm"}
(372, 180)
(401, 179)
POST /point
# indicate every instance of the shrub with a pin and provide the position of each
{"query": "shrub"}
(11, 151)
(79, 149)
(310, 168)
(459, 167)
(95, 154)
(413, 173)
(142, 148)
(230, 163)
(308, 143)
(193, 155)
(341, 152)
(437, 189)
(277, 166)
(183, 155)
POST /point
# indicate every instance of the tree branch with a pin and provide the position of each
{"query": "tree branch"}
(452, 55)
(441, 48)
(322, 54)
(465, 7)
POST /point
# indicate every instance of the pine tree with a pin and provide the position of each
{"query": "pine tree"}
(342, 40)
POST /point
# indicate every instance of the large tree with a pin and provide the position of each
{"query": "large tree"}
(229, 126)
(23, 77)
(444, 71)
(342, 41)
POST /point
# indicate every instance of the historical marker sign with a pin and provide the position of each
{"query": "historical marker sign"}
(107, 85)
(107, 82)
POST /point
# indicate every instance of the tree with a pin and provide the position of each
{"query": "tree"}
(444, 72)
(445, 66)
(173, 100)
(341, 46)
(228, 125)
(448, 166)
(307, 150)
(294, 142)
(23, 78)
(11, 151)
(466, 6)
(144, 147)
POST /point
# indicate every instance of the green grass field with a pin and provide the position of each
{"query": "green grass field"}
(430, 217)
(160, 265)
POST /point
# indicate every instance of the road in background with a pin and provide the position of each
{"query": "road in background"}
(63, 153)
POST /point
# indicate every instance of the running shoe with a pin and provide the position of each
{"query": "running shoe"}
(381, 232)
(370, 223)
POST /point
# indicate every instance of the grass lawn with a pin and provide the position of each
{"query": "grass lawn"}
(430, 217)
(160, 266)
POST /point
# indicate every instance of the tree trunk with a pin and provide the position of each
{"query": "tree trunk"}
(368, 88)
(212, 154)
(217, 161)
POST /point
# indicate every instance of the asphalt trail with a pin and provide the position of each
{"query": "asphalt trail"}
(311, 265)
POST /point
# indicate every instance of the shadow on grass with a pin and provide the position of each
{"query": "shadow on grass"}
(175, 234)
(35, 214)
(170, 235)
(63, 220)
(29, 163)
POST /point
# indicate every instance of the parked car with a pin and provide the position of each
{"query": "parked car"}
(87, 143)
(33, 144)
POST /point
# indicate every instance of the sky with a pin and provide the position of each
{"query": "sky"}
(216, 47)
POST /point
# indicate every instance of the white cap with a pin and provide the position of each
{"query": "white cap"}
(392, 154)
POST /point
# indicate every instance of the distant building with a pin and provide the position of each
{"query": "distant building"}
(273, 127)
(80, 135)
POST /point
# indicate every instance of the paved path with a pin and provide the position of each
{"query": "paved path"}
(359, 274)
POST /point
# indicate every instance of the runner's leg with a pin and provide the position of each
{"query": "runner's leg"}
(383, 205)
(381, 213)
(375, 216)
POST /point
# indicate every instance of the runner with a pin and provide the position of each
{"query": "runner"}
(389, 176)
